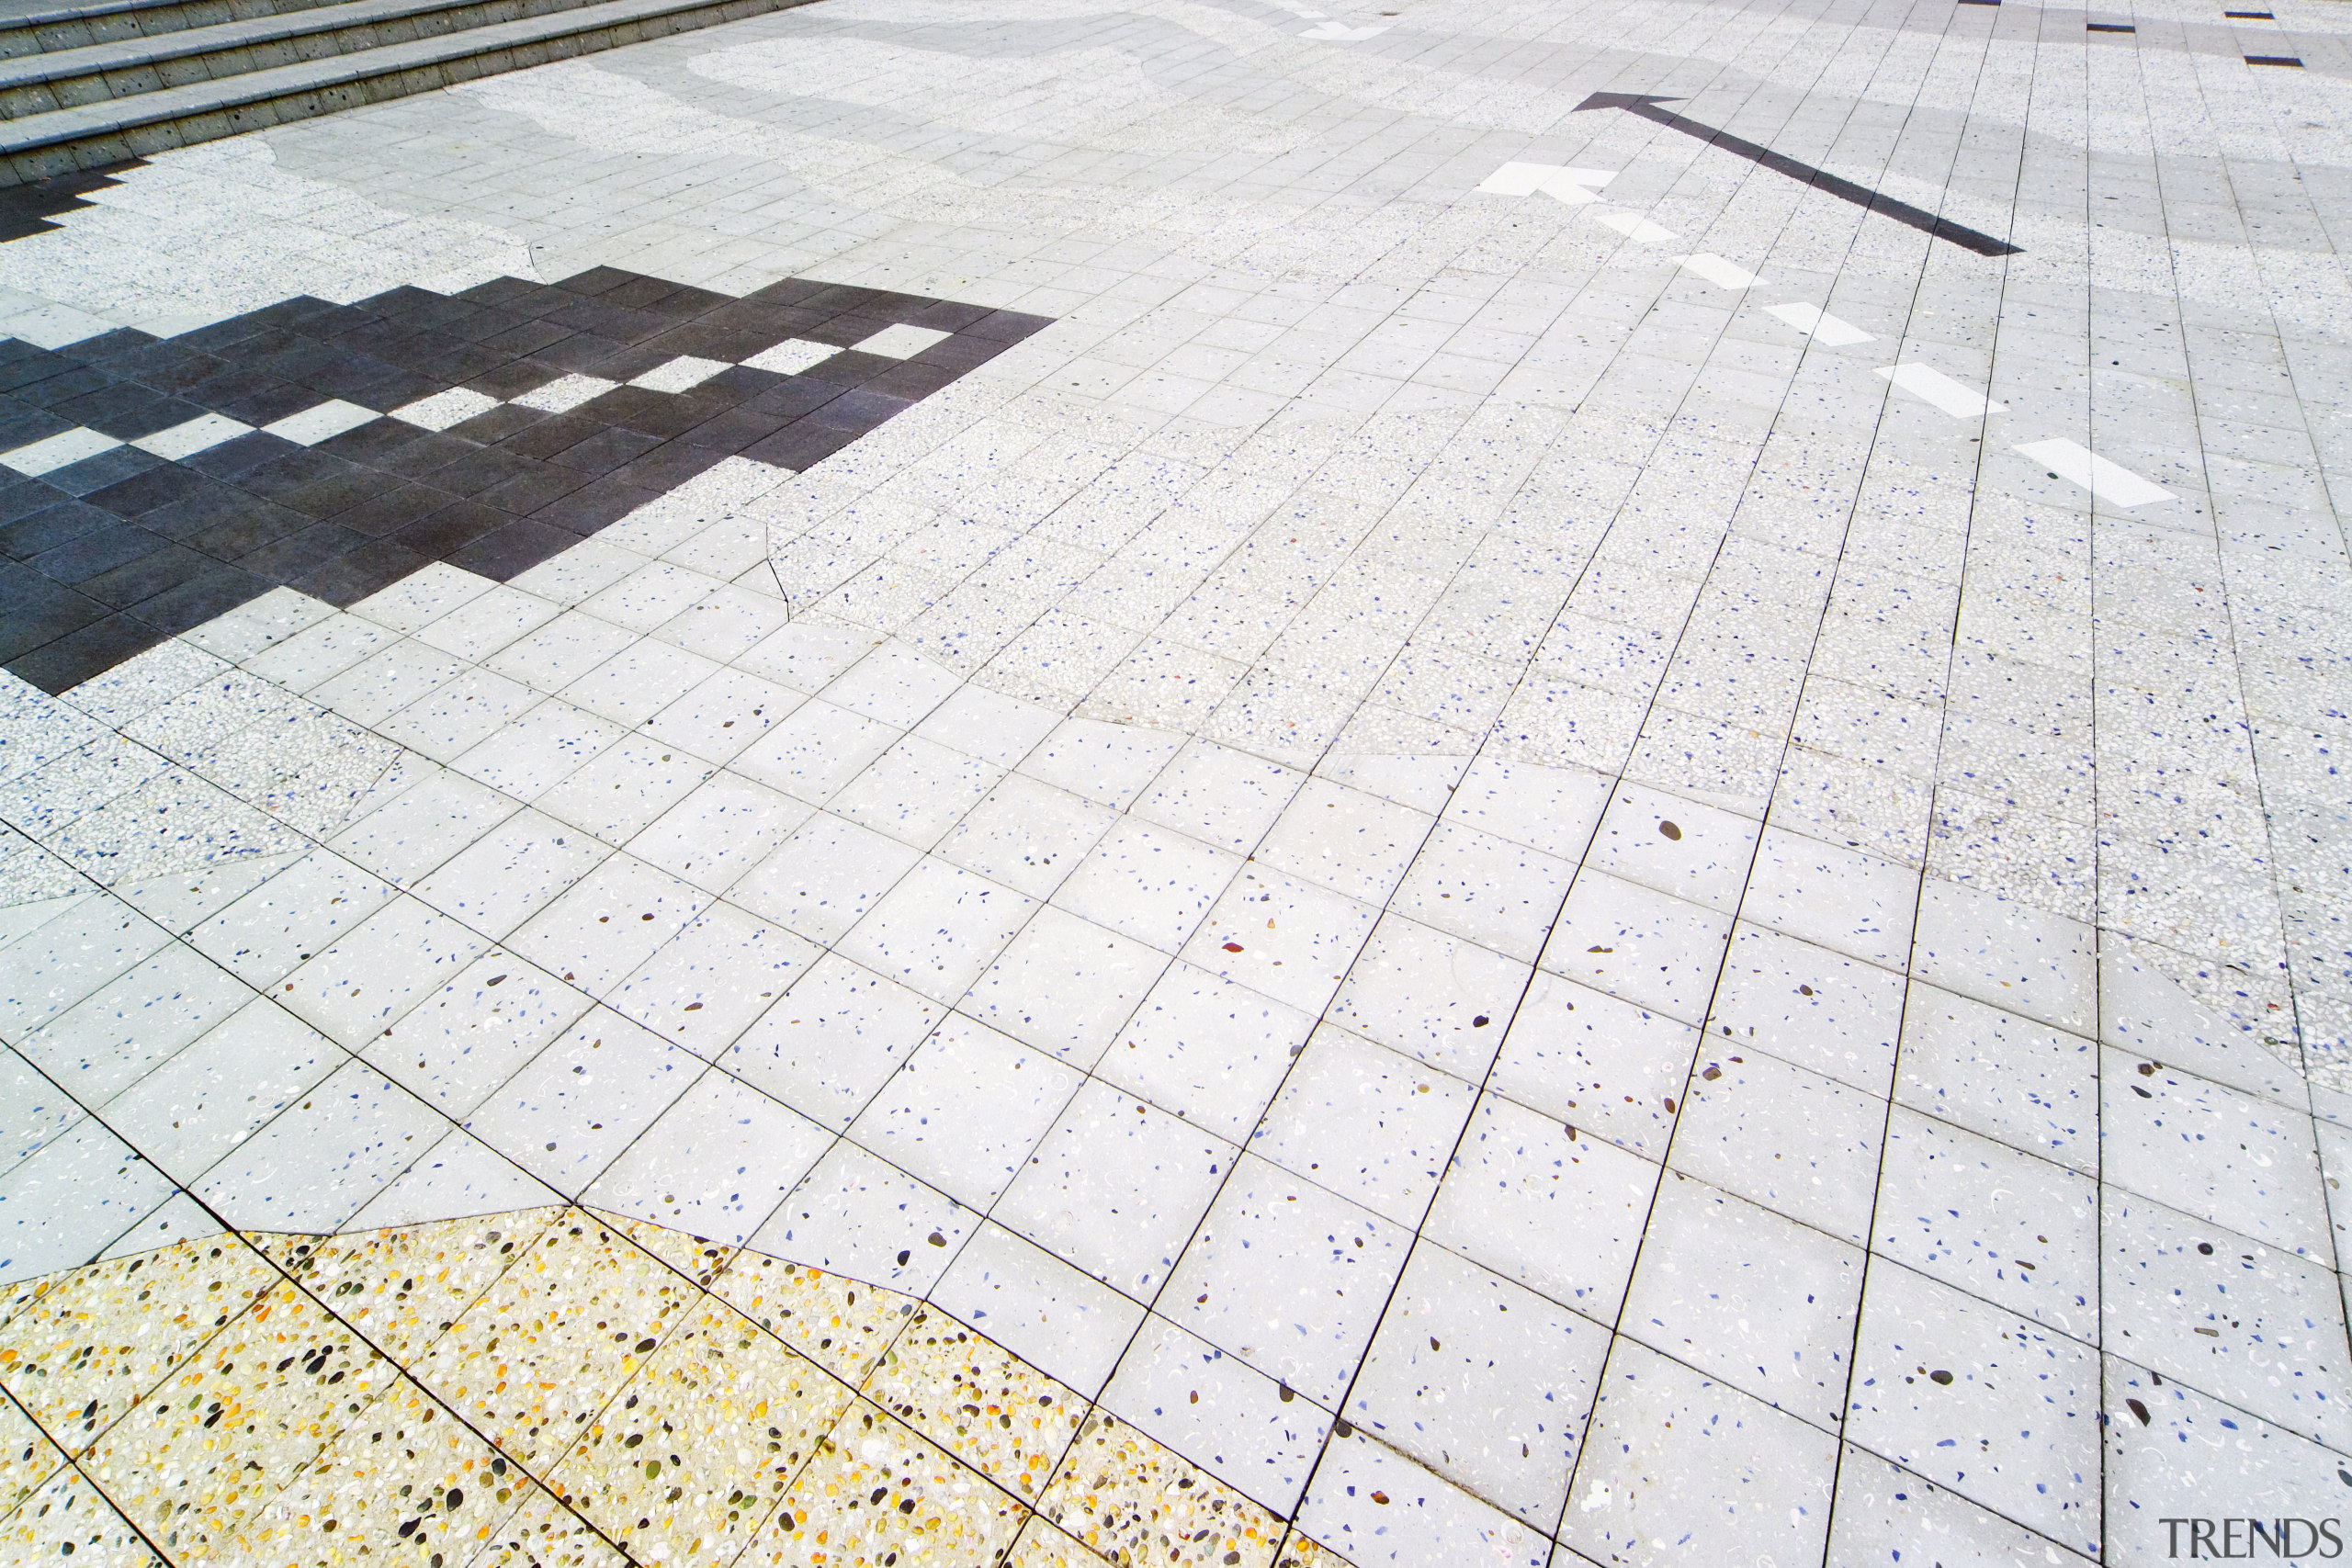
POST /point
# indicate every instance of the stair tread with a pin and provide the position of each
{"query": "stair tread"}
(124, 54)
(42, 13)
(86, 120)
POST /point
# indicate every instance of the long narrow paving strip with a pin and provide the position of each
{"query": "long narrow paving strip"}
(556, 1387)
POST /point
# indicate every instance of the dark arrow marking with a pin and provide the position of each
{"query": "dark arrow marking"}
(1647, 106)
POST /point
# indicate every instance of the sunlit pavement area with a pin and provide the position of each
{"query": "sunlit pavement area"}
(1549, 783)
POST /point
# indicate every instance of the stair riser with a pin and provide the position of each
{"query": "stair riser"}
(143, 141)
(219, 64)
(147, 21)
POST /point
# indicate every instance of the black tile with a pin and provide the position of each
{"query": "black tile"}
(911, 381)
(856, 369)
(127, 411)
(354, 575)
(515, 378)
(1008, 326)
(52, 528)
(735, 429)
(296, 469)
(401, 389)
(946, 315)
(189, 604)
(389, 510)
(60, 666)
(371, 443)
(431, 450)
(526, 492)
(235, 458)
(639, 291)
(580, 351)
(251, 526)
(503, 554)
(335, 493)
(800, 445)
(596, 280)
(789, 291)
(23, 497)
(797, 396)
(836, 299)
(861, 410)
(285, 560)
(170, 367)
(147, 576)
(106, 347)
(24, 376)
(266, 401)
(34, 610)
(449, 530)
(360, 379)
(963, 351)
(843, 330)
(551, 434)
(107, 468)
(158, 486)
(51, 390)
(663, 414)
(208, 504)
(21, 424)
(493, 425)
(609, 448)
(739, 384)
(481, 468)
(500, 291)
(668, 466)
(595, 505)
(96, 552)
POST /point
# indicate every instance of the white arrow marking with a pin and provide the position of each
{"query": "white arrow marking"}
(1820, 325)
(1558, 183)
(1720, 271)
(1635, 227)
(2105, 481)
(1339, 32)
(1926, 381)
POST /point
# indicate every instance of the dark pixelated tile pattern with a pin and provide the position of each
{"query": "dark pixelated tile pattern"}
(105, 557)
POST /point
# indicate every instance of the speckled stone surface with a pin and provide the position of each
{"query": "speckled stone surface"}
(543, 1388)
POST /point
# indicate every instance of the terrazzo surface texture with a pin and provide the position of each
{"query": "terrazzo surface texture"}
(557, 1387)
(1533, 835)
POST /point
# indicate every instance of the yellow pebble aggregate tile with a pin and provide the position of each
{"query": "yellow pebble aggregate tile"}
(1136, 1501)
(27, 1459)
(230, 1428)
(403, 1470)
(841, 1324)
(1043, 1546)
(697, 1257)
(70, 1521)
(551, 1389)
(685, 1466)
(876, 1496)
(979, 1401)
(404, 1288)
(532, 1362)
(82, 1345)
(543, 1533)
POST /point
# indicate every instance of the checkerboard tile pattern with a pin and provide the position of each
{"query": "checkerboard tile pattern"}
(151, 484)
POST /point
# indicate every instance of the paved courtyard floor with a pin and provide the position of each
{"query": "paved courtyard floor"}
(1544, 783)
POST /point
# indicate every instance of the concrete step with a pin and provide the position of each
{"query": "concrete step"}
(132, 67)
(38, 26)
(108, 130)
